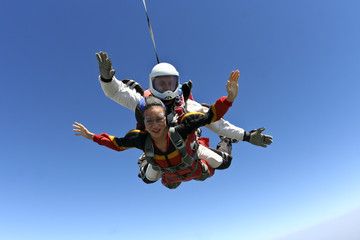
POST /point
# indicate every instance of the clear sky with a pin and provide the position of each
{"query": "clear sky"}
(300, 72)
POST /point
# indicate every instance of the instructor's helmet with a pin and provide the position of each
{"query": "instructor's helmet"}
(164, 81)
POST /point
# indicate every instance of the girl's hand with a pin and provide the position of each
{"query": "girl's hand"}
(82, 131)
(232, 86)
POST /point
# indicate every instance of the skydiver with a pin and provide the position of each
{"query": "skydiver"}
(164, 84)
(160, 142)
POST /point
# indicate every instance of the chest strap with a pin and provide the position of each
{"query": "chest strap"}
(177, 140)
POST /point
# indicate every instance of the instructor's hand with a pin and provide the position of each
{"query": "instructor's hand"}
(259, 139)
(105, 65)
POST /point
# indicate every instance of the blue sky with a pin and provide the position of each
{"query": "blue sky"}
(299, 77)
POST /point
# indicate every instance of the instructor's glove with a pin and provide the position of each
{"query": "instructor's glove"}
(105, 66)
(186, 90)
(257, 138)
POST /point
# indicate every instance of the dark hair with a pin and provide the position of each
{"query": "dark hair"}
(144, 104)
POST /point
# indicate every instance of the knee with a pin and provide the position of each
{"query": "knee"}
(226, 161)
(147, 181)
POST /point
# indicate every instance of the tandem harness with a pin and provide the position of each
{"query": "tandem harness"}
(186, 159)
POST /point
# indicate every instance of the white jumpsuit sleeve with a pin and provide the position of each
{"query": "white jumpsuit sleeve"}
(221, 127)
(121, 93)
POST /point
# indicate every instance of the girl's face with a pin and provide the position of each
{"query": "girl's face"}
(155, 121)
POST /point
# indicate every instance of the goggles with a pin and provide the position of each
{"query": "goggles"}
(165, 83)
(159, 118)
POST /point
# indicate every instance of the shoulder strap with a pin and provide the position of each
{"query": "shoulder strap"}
(180, 145)
(149, 152)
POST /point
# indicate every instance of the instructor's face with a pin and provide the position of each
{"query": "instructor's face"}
(165, 83)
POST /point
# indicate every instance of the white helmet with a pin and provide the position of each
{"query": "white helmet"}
(164, 81)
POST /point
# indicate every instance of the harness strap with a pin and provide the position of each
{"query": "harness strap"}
(187, 174)
(149, 155)
(186, 159)
(149, 152)
(179, 143)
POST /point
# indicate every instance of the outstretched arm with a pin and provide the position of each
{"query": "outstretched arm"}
(133, 139)
(193, 120)
(225, 128)
(124, 93)
(256, 136)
